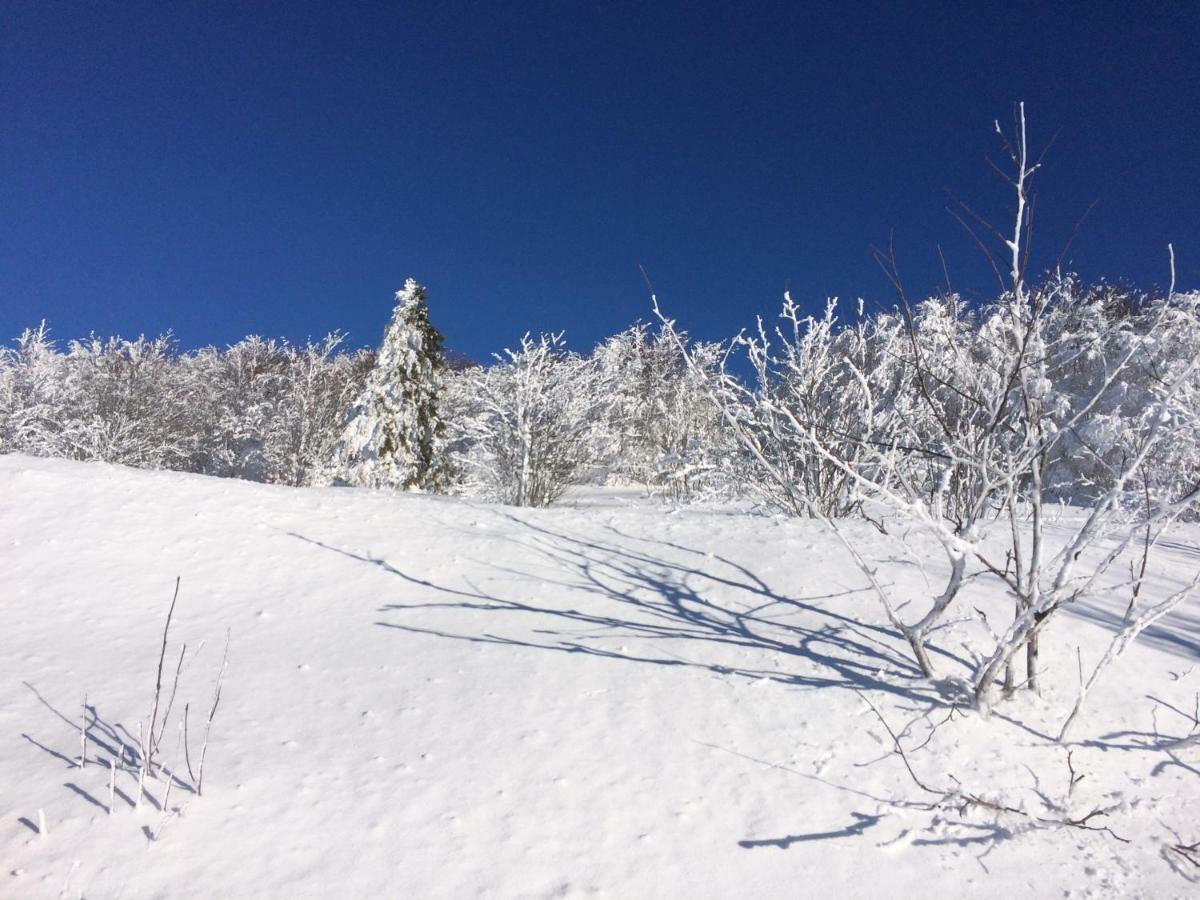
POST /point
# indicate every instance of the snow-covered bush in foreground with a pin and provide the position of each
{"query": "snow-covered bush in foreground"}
(954, 419)
(526, 425)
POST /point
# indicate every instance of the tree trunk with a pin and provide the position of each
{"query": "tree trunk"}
(917, 642)
(1031, 662)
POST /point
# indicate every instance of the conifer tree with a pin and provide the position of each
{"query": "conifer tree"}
(395, 435)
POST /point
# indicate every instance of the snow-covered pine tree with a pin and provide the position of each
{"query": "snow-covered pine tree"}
(395, 435)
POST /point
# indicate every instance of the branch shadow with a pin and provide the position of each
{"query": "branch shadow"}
(642, 599)
(80, 792)
(862, 823)
(990, 833)
(663, 600)
(114, 739)
(1178, 632)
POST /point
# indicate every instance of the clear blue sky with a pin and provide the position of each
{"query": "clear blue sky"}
(224, 168)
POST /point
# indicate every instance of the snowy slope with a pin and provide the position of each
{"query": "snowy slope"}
(433, 698)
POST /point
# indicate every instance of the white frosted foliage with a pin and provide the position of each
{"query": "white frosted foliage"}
(393, 436)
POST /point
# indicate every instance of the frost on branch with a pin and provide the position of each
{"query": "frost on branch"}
(961, 425)
(526, 427)
(659, 428)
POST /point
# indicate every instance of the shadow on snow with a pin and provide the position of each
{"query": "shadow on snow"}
(649, 597)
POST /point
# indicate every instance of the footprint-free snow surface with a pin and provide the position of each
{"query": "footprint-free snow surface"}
(427, 697)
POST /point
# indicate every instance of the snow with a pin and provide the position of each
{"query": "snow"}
(432, 697)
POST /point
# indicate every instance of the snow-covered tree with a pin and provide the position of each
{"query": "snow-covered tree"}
(233, 396)
(124, 402)
(660, 427)
(952, 419)
(527, 424)
(32, 389)
(261, 409)
(395, 436)
(268, 410)
(319, 386)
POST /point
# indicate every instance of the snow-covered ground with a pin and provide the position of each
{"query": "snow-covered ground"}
(433, 698)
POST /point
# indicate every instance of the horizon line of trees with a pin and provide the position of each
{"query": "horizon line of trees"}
(639, 409)
(407, 415)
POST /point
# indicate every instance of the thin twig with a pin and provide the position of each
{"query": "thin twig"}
(956, 794)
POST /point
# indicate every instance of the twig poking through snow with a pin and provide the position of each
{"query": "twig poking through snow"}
(211, 714)
(150, 745)
(83, 734)
(948, 796)
(187, 756)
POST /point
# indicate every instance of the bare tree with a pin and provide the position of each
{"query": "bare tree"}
(950, 418)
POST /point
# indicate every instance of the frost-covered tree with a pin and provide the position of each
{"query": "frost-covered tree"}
(125, 402)
(395, 436)
(33, 415)
(953, 418)
(268, 410)
(261, 409)
(526, 429)
(234, 395)
(661, 428)
(320, 384)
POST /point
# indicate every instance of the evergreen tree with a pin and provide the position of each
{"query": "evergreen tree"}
(395, 435)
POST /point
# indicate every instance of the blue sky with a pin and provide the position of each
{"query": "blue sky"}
(225, 168)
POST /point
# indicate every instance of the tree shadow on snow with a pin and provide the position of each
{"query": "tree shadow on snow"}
(1178, 632)
(663, 600)
(646, 596)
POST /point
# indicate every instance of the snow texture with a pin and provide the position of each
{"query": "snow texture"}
(431, 697)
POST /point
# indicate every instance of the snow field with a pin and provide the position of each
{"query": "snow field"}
(435, 698)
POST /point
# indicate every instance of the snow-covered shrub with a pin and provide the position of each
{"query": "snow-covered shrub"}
(815, 381)
(1162, 334)
(268, 410)
(955, 422)
(261, 409)
(123, 402)
(525, 425)
(32, 391)
(320, 385)
(233, 395)
(395, 436)
(660, 428)
(954, 419)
